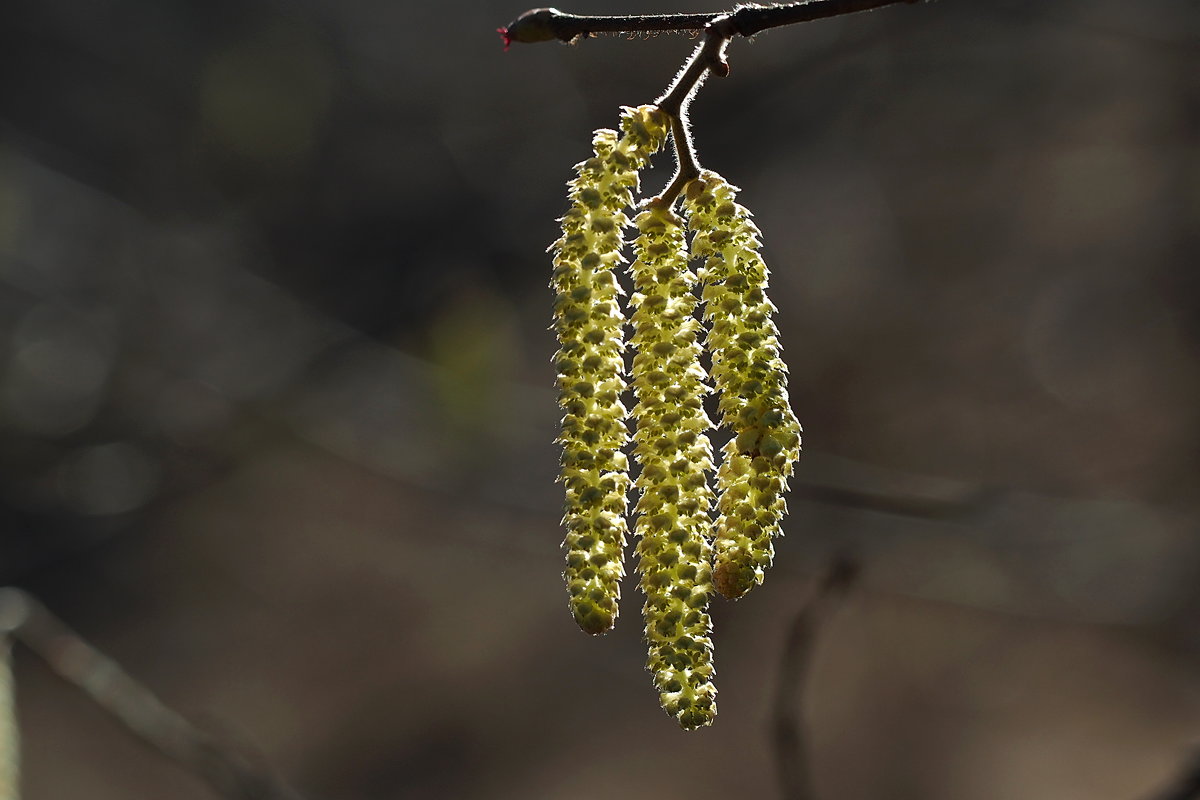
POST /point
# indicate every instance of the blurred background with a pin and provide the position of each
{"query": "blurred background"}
(276, 406)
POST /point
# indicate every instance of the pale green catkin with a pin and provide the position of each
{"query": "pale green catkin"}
(590, 327)
(10, 749)
(751, 380)
(672, 448)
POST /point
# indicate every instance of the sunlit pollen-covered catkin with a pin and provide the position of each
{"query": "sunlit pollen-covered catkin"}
(590, 327)
(751, 380)
(673, 451)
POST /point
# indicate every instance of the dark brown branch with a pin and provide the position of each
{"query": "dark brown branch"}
(232, 775)
(750, 20)
(549, 24)
(687, 169)
(709, 56)
(791, 751)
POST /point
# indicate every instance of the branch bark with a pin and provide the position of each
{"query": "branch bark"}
(232, 775)
(549, 24)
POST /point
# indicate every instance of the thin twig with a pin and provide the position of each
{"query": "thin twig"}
(549, 24)
(231, 774)
(709, 56)
(791, 750)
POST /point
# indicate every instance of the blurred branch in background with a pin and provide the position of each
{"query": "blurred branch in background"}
(791, 748)
(10, 748)
(230, 774)
(1188, 785)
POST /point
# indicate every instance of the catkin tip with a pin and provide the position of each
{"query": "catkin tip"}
(695, 718)
(733, 581)
(594, 620)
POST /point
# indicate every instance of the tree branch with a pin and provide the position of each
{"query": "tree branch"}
(231, 774)
(10, 745)
(791, 750)
(549, 24)
(709, 56)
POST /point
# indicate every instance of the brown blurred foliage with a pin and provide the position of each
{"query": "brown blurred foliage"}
(276, 414)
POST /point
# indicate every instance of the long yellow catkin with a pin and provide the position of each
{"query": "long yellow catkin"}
(672, 448)
(751, 379)
(590, 327)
